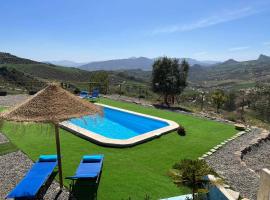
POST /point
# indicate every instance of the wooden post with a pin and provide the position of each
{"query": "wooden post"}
(57, 140)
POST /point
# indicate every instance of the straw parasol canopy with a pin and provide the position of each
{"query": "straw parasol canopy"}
(52, 105)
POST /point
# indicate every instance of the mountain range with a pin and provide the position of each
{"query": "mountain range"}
(26, 74)
(142, 63)
(230, 73)
(65, 63)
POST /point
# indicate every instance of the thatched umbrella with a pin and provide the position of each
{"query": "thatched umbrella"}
(51, 105)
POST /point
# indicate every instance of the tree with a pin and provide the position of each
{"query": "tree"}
(261, 104)
(191, 173)
(241, 102)
(219, 98)
(201, 98)
(100, 80)
(169, 78)
(230, 104)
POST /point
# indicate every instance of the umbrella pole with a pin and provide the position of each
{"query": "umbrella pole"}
(57, 140)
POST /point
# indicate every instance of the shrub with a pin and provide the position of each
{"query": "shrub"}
(32, 92)
(191, 173)
(181, 131)
(3, 93)
(231, 116)
(76, 91)
(141, 96)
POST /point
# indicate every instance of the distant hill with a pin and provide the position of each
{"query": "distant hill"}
(229, 62)
(42, 70)
(7, 58)
(65, 63)
(51, 72)
(228, 74)
(11, 78)
(263, 58)
(119, 64)
(233, 72)
(142, 63)
(27, 74)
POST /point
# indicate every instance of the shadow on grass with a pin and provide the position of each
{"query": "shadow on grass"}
(6, 148)
(84, 190)
(171, 108)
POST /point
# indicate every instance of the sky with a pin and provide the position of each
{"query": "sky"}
(92, 30)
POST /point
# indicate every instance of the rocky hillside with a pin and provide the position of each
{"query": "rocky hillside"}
(11, 79)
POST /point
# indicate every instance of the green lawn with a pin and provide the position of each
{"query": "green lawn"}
(128, 172)
(7, 148)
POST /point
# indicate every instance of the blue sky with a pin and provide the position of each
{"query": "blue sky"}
(90, 30)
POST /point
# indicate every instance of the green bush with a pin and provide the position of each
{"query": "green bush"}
(32, 92)
(76, 91)
(181, 131)
(3, 93)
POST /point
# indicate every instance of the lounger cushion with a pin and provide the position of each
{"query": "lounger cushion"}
(33, 180)
(89, 169)
(92, 158)
(47, 158)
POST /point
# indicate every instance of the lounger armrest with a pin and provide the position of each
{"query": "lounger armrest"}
(87, 176)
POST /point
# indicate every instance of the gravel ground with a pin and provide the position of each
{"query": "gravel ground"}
(13, 167)
(11, 100)
(258, 157)
(228, 166)
(3, 138)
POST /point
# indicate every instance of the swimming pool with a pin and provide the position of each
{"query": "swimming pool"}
(119, 127)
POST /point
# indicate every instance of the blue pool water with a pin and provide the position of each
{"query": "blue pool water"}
(117, 124)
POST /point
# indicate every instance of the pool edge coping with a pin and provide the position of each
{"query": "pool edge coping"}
(104, 141)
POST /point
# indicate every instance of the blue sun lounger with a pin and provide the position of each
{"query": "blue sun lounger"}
(90, 168)
(94, 96)
(35, 178)
(84, 94)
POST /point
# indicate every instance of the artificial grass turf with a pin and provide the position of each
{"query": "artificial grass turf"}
(7, 148)
(128, 172)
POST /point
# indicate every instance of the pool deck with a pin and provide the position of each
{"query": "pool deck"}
(104, 141)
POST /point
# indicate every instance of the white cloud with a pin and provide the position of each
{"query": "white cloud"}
(222, 17)
(238, 48)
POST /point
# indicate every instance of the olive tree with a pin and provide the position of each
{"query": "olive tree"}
(191, 173)
(169, 78)
(100, 79)
(218, 98)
